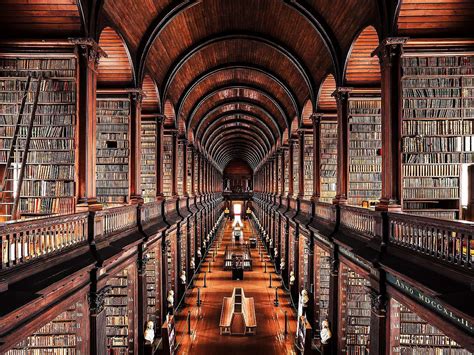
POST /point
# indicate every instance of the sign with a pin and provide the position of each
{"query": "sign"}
(430, 303)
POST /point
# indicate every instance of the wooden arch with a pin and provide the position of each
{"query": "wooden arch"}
(326, 102)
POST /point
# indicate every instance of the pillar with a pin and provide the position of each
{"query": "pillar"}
(135, 147)
(316, 119)
(301, 134)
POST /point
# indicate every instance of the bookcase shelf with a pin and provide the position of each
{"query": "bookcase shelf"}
(437, 130)
(180, 171)
(153, 286)
(296, 167)
(365, 142)
(61, 334)
(167, 165)
(113, 139)
(286, 166)
(148, 168)
(355, 312)
(412, 335)
(321, 285)
(54, 129)
(119, 312)
(308, 164)
(328, 160)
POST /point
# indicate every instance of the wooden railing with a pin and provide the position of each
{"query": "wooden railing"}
(28, 240)
(150, 211)
(326, 211)
(118, 219)
(451, 241)
(360, 220)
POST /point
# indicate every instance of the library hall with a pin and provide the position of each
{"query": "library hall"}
(220, 177)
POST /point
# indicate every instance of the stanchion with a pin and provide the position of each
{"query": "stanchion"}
(261, 257)
(189, 322)
(265, 269)
(270, 285)
(199, 297)
(209, 267)
(276, 303)
(205, 279)
(286, 323)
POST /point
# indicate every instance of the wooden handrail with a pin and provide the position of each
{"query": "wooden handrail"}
(451, 241)
(326, 211)
(25, 241)
(118, 219)
(150, 211)
(360, 220)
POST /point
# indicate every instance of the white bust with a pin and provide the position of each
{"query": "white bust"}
(199, 253)
(271, 243)
(192, 264)
(282, 264)
(292, 278)
(170, 298)
(183, 277)
(304, 297)
(325, 332)
(149, 332)
(276, 253)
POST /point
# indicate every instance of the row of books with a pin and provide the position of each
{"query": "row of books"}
(37, 64)
(435, 103)
(43, 96)
(441, 193)
(42, 120)
(429, 92)
(36, 205)
(47, 188)
(439, 61)
(48, 85)
(431, 182)
(438, 71)
(328, 166)
(435, 144)
(435, 113)
(437, 128)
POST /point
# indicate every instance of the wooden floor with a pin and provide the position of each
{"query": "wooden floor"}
(205, 337)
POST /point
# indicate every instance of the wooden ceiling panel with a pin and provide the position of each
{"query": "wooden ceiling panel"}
(211, 18)
(39, 18)
(151, 100)
(306, 114)
(170, 115)
(436, 17)
(363, 69)
(326, 102)
(235, 77)
(134, 17)
(238, 51)
(115, 69)
(345, 17)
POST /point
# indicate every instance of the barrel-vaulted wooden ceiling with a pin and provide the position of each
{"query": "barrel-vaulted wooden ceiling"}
(233, 75)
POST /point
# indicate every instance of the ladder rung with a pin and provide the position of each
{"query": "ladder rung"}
(6, 203)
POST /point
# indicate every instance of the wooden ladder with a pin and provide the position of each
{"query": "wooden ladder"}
(10, 192)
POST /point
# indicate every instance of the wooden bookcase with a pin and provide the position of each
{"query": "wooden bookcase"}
(296, 167)
(410, 334)
(322, 275)
(148, 168)
(365, 144)
(171, 264)
(48, 185)
(286, 167)
(113, 148)
(62, 335)
(308, 165)
(189, 169)
(167, 165)
(183, 250)
(328, 160)
(304, 271)
(180, 164)
(119, 311)
(153, 285)
(354, 312)
(437, 130)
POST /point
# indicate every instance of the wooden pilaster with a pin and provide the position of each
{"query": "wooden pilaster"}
(316, 119)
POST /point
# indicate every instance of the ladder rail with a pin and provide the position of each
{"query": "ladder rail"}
(11, 152)
(27, 148)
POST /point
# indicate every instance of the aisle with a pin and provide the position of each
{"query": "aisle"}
(205, 337)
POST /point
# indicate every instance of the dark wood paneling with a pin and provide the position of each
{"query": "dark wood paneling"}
(151, 100)
(325, 101)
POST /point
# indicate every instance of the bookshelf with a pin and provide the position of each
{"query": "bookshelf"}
(180, 165)
(304, 262)
(183, 250)
(189, 169)
(153, 286)
(437, 130)
(365, 144)
(355, 312)
(308, 165)
(171, 263)
(62, 335)
(291, 266)
(322, 273)
(48, 185)
(113, 139)
(328, 160)
(148, 168)
(296, 167)
(167, 165)
(119, 311)
(413, 335)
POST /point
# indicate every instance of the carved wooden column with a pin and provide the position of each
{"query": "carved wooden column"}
(316, 118)
(378, 322)
(89, 54)
(159, 156)
(142, 261)
(198, 172)
(389, 53)
(275, 182)
(135, 147)
(97, 319)
(282, 172)
(301, 134)
(342, 99)
(193, 176)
